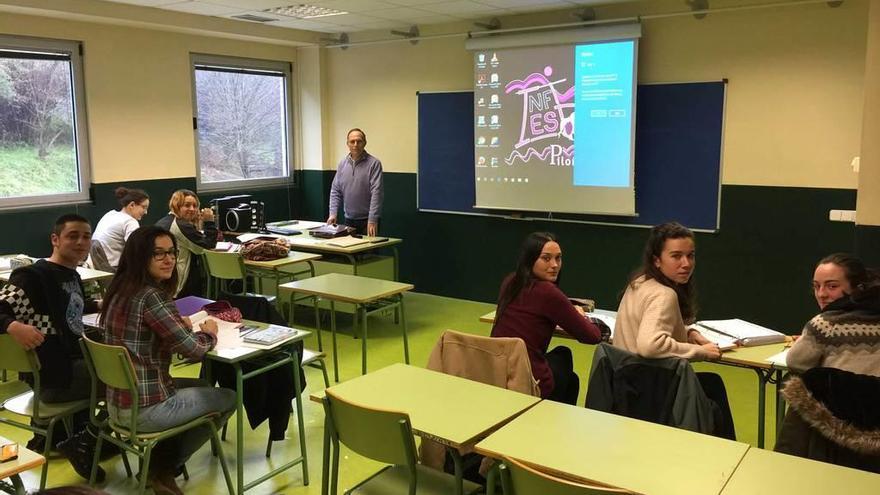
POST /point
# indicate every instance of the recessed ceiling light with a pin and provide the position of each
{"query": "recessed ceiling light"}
(305, 11)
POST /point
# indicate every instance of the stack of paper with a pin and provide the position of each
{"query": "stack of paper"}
(740, 331)
(779, 359)
(227, 332)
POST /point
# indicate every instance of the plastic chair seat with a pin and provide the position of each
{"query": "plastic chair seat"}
(395, 479)
(23, 404)
(149, 435)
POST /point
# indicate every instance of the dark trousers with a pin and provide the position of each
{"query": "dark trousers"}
(714, 389)
(566, 382)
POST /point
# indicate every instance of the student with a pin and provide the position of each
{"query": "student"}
(116, 225)
(41, 308)
(846, 334)
(195, 231)
(531, 306)
(832, 395)
(658, 303)
(140, 315)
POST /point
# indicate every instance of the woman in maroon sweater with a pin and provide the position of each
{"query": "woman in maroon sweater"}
(530, 306)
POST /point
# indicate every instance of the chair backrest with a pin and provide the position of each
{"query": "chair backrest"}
(226, 266)
(14, 357)
(385, 436)
(98, 257)
(520, 479)
(502, 362)
(112, 365)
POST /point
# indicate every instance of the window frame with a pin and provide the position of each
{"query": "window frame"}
(245, 64)
(73, 50)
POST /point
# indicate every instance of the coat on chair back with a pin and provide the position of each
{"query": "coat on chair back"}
(665, 391)
(499, 361)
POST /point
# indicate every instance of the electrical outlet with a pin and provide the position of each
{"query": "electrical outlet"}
(842, 215)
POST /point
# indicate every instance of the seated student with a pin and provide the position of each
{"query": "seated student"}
(140, 315)
(41, 308)
(116, 225)
(659, 301)
(195, 231)
(846, 334)
(530, 306)
(834, 400)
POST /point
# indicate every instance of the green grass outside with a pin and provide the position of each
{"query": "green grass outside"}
(23, 173)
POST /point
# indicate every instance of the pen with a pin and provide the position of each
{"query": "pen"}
(734, 337)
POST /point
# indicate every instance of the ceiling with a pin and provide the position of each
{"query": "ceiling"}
(364, 15)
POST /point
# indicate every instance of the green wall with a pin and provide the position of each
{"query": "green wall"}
(758, 267)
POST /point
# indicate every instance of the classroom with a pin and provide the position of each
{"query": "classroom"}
(801, 109)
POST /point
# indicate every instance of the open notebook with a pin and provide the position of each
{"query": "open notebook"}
(729, 333)
(227, 332)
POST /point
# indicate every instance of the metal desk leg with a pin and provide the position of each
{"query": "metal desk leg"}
(396, 263)
(492, 478)
(354, 264)
(762, 388)
(333, 333)
(780, 401)
(300, 420)
(459, 470)
(239, 429)
(362, 311)
(325, 466)
(403, 325)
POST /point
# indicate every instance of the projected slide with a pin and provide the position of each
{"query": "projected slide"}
(553, 128)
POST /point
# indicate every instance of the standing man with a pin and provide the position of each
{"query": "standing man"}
(358, 183)
(41, 309)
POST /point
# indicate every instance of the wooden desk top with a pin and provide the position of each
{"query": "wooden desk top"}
(86, 274)
(451, 410)
(347, 288)
(763, 471)
(27, 459)
(592, 446)
(308, 242)
(753, 357)
(292, 257)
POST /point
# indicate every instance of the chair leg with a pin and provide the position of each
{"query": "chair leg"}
(125, 463)
(318, 323)
(185, 473)
(268, 448)
(323, 367)
(223, 436)
(145, 466)
(50, 430)
(97, 457)
(325, 464)
(215, 439)
(403, 327)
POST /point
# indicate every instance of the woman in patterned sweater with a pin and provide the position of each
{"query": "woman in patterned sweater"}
(846, 334)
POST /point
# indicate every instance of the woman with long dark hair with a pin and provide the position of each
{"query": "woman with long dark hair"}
(531, 306)
(139, 314)
(846, 334)
(658, 305)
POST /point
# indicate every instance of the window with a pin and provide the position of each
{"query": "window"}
(43, 139)
(242, 122)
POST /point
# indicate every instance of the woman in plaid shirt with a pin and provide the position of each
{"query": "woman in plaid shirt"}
(140, 315)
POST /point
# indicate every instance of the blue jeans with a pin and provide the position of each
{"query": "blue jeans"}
(193, 399)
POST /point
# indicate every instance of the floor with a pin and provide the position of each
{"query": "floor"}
(427, 317)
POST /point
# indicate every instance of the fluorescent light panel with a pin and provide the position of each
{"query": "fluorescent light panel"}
(305, 11)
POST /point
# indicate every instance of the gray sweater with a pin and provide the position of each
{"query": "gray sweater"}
(359, 186)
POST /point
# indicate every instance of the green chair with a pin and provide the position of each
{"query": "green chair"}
(223, 268)
(520, 479)
(385, 436)
(112, 366)
(15, 358)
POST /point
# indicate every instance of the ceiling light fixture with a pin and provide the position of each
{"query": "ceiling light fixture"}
(305, 11)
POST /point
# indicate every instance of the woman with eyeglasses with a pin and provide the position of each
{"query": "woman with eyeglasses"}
(116, 225)
(139, 314)
(195, 231)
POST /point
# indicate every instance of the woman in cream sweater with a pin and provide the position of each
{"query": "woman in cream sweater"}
(659, 302)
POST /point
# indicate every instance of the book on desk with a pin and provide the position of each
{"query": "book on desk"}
(736, 332)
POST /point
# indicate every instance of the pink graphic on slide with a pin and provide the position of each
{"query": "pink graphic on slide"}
(547, 114)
